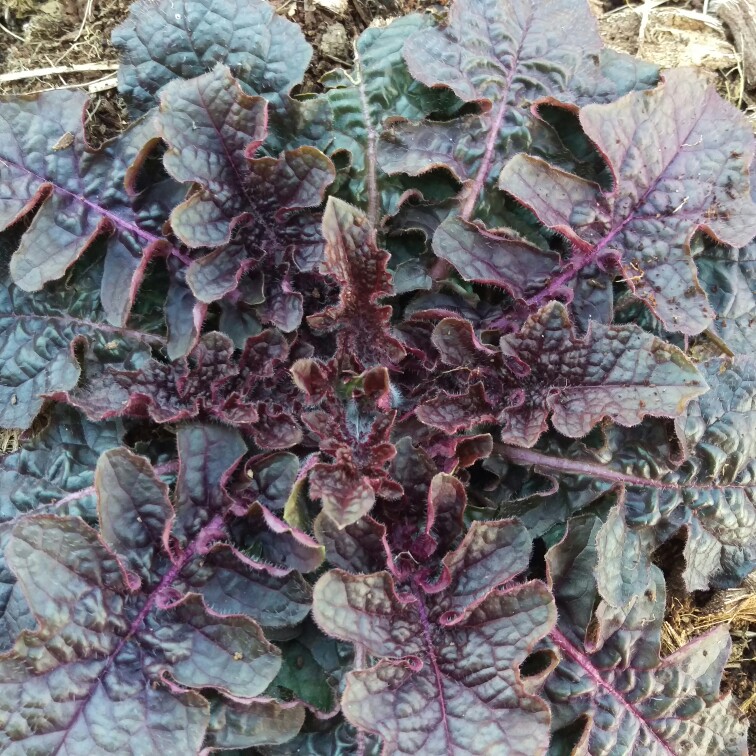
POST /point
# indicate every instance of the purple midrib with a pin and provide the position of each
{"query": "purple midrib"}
(116, 220)
(493, 134)
(165, 582)
(585, 663)
(431, 652)
(523, 456)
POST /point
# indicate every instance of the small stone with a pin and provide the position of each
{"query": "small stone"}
(335, 42)
(338, 7)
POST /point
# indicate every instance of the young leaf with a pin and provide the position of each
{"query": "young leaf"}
(448, 679)
(690, 155)
(353, 258)
(548, 371)
(252, 392)
(611, 681)
(82, 195)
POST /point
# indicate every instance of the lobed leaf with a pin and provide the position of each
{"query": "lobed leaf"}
(53, 471)
(679, 157)
(612, 683)
(121, 591)
(548, 371)
(504, 56)
(213, 130)
(163, 41)
(48, 339)
(448, 677)
(80, 195)
(710, 494)
(378, 85)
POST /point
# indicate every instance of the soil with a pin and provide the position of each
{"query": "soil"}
(38, 34)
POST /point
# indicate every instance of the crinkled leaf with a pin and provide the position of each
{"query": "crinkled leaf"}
(272, 479)
(679, 157)
(378, 86)
(449, 681)
(611, 680)
(267, 538)
(728, 276)
(108, 639)
(710, 494)
(162, 41)
(184, 315)
(358, 547)
(485, 257)
(252, 391)
(231, 583)
(119, 604)
(353, 258)
(213, 130)
(82, 194)
(504, 56)
(353, 424)
(547, 371)
(236, 724)
(43, 335)
(53, 469)
(613, 371)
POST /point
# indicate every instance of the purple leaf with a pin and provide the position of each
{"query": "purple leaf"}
(447, 679)
(614, 371)
(252, 391)
(162, 41)
(710, 494)
(142, 634)
(679, 157)
(48, 339)
(546, 371)
(212, 129)
(611, 680)
(254, 211)
(54, 469)
(728, 276)
(81, 194)
(360, 267)
(485, 257)
(353, 430)
(358, 547)
(277, 542)
(504, 56)
(184, 316)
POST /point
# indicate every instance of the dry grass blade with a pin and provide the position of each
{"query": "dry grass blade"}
(9, 439)
(39, 73)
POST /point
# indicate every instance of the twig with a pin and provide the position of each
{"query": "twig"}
(38, 73)
(12, 34)
(87, 11)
